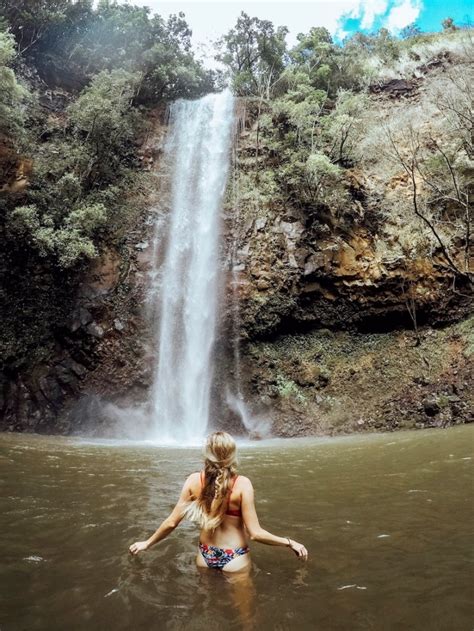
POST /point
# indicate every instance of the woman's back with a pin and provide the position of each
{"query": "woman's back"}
(230, 531)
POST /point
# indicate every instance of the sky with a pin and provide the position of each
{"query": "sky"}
(212, 18)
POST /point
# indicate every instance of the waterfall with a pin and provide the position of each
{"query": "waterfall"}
(197, 151)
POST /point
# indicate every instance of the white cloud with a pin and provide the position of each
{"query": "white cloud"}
(367, 11)
(403, 13)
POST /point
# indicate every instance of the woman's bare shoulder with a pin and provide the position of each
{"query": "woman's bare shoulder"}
(193, 484)
(244, 482)
(193, 477)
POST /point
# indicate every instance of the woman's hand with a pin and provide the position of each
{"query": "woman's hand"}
(298, 549)
(138, 546)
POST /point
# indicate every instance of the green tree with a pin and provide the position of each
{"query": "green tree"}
(71, 41)
(254, 53)
(448, 25)
(67, 241)
(344, 126)
(360, 50)
(327, 66)
(36, 24)
(105, 124)
(411, 30)
(315, 53)
(13, 96)
(169, 68)
(301, 107)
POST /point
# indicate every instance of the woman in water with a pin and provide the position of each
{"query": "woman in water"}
(222, 504)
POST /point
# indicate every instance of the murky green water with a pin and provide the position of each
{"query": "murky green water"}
(388, 521)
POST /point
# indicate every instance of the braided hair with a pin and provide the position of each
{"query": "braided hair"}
(220, 465)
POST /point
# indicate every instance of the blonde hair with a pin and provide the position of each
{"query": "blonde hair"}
(220, 465)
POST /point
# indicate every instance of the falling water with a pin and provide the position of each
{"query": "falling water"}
(197, 148)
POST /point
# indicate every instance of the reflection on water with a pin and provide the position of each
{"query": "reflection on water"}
(387, 520)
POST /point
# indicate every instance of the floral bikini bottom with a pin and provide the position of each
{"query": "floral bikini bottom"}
(218, 557)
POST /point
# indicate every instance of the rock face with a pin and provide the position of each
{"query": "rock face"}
(344, 324)
(289, 278)
(327, 382)
(364, 266)
(96, 353)
(14, 171)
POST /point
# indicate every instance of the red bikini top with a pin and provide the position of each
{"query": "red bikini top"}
(234, 512)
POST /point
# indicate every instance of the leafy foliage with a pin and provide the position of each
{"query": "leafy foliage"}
(308, 140)
(66, 240)
(13, 96)
(104, 126)
(255, 54)
(116, 58)
(70, 42)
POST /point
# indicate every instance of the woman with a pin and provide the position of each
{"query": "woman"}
(222, 503)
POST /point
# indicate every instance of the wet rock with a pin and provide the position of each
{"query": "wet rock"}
(263, 284)
(95, 330)
(103, 275)
(407, 424)
(260, 223)
(311, 375)
(77, 369)
(431, 406)
(313, 263)
(51, 390)
(81, 317)
(243, 252)
(422, 381)
(23, 404)
(308, 375)
(292, 230)
(324, 379)
(396, 88)
(247, 227)
(292, 262)
(142, 246)
(118, 325)
(64, 375)
(311, 288)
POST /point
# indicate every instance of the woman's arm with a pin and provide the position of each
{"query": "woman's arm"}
(169, 524)
(256, 532)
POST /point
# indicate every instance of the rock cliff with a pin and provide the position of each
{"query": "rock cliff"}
(346, 319)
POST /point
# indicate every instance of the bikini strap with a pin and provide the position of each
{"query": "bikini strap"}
(231, 488)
